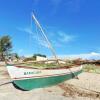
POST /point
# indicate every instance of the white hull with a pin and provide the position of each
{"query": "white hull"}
(24, 73)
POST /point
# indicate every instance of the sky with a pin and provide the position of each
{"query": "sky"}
(72, 26)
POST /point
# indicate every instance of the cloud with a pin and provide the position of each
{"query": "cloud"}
(91, 55)
(60, 38)
(39, 40)
(43, 43)
(20, 51)
(57, 38)
(65, 38)
(27, 30)
(56, 44)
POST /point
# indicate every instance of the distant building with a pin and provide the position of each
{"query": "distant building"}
(39, 58)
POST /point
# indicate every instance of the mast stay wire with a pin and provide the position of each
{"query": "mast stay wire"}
(37, 38)
(46, 39)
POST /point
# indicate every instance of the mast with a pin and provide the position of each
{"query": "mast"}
(48, 42)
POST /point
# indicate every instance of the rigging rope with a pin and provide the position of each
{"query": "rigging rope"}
(45, 37)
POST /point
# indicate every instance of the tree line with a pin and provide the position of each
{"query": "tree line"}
(5, 47)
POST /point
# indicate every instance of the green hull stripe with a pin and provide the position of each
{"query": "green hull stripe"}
(29, 84)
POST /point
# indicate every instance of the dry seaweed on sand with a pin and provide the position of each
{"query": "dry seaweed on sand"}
(71, 90)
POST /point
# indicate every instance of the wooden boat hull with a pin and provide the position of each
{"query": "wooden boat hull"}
(29, 84)
(41, 79)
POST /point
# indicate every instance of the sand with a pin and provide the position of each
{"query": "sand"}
(87, 87)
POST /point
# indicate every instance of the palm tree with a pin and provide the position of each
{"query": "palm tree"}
(5, 46)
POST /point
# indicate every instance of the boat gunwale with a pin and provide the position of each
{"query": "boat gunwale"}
(45, 76)
(64, 67)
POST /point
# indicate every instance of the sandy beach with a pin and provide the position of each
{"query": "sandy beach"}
(87, 87)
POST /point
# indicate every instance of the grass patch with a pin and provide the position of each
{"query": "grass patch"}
(92, 68)
(43, 65)
(38, 65)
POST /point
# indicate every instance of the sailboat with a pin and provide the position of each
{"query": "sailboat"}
(28, 78)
